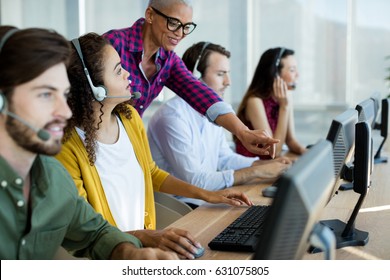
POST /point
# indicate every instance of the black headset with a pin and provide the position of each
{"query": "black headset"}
(196, 72)
(9, 33)
(99, 92)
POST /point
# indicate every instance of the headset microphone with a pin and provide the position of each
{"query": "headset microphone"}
(41, 133)
(292, 85)
(136, 95)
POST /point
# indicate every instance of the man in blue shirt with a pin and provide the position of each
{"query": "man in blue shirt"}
(184, 143)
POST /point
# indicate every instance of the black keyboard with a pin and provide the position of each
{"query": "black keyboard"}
(243, 233)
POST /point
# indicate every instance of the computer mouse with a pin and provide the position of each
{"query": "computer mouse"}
(199, 253)
(269, 191)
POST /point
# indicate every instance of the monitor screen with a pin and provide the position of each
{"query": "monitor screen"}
(363, 158)
(376, 97)
(342, 136)
(367, 111)
(300, 198)
(383, 126)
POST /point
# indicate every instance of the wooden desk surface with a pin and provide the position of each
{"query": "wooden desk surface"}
(207, 221)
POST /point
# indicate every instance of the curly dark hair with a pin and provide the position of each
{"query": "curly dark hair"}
(81, 98)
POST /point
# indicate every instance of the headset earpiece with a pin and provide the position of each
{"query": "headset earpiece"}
(196, 72)
(99, 92)
(9, 33)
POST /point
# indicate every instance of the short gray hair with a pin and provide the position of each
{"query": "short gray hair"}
(160, 4)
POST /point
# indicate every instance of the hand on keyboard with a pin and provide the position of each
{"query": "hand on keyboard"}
(229, 196)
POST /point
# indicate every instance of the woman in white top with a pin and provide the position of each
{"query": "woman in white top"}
(107, 153)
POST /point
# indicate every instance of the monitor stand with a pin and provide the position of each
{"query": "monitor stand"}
(355, 238)
(346, 186)
(346, 234)
(378, 158)
(383, 128)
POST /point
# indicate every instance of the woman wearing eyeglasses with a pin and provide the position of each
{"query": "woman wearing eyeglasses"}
(267, 104)
(147, 52)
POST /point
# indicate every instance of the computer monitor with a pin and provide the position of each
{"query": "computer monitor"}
(367, 111)
(376, 97)
(342, 136)
(346, 233)
(300, 198)
(383, 127)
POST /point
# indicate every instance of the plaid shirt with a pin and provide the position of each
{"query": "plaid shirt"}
(171, 72)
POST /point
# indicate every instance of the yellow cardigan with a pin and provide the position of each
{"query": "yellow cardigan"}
(75, 159)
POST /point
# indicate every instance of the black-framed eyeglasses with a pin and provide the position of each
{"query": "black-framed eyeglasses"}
(173, 24)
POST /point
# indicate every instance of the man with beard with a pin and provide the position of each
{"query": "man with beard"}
(40, 207)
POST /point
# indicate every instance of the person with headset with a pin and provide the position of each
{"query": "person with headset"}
(40, 207)
(147, 53)
(200, 153)
(267, 104)
(107, 153)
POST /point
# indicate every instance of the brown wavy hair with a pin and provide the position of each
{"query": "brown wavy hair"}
(81, 98)
(199, 52)
(28, 53)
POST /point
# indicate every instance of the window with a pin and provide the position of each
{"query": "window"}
(340, 45)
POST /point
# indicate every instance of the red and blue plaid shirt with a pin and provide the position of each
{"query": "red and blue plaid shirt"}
(171, 72)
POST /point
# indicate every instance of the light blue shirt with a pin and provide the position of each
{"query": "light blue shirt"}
(191, 148)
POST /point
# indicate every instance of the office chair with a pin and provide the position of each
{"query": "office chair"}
(168, 209)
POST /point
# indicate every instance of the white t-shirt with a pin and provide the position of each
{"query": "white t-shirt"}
(123, 180)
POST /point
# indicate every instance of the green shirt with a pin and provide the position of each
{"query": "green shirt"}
(58, 216)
